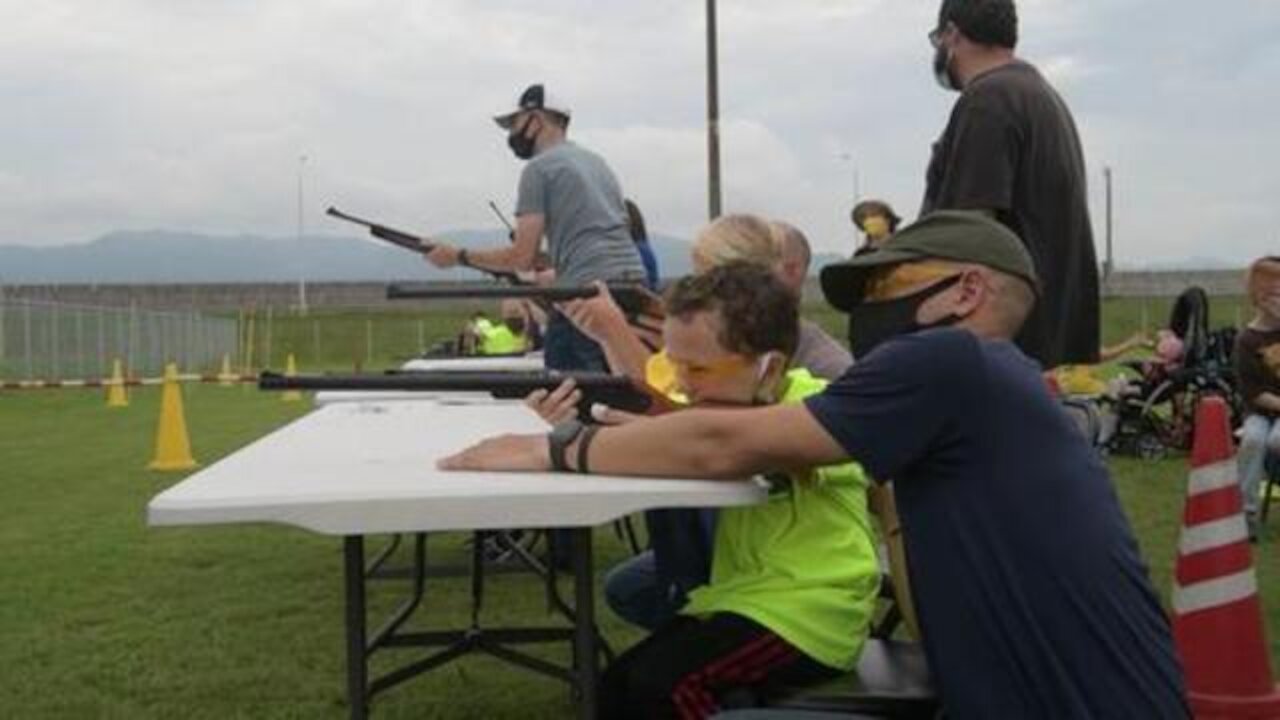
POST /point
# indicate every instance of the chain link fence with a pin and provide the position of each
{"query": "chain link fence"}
(42, 340)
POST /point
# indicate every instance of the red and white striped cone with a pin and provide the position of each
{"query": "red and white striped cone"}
(1217, 618)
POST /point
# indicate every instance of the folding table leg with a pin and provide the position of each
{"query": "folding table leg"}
(586, 662)
(357, 670)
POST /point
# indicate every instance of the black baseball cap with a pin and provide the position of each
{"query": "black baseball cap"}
(534, 97)
(956, 235)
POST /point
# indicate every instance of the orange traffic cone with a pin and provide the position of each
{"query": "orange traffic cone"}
(173, 447)
(1217, 618)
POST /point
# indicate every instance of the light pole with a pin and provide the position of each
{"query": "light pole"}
(713, 116)
(1107, 265)
(302, 275)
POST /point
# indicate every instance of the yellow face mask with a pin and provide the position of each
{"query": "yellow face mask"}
(892, 281)
(876, 226)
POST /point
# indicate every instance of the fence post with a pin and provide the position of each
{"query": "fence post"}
(133, 339)
(55, 347)
(80, 373)
(4, 355)
(266, 341)
(368, 333)
(315, 339)
(102, 341)
(26, 337)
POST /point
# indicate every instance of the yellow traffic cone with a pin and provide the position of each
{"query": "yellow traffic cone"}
(117, 396)
(225, 376)
(290, 370)
(173, 448)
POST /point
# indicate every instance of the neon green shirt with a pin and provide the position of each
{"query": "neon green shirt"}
(497, 339)
(803, 563)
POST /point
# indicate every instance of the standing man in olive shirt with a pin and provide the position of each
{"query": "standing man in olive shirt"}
(1011, 149)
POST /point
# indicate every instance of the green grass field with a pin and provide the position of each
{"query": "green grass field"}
(102, 617)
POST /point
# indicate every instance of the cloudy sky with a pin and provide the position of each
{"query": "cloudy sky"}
(196, 114)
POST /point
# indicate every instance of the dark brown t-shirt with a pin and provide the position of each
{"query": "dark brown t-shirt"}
(1257, 361)
(1011, 146)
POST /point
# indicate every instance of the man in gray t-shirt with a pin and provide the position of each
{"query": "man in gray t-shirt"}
(586, 221)
(570, 195)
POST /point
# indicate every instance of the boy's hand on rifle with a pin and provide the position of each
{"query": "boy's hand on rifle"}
(505, 452)
(443, 256)
(557, 405)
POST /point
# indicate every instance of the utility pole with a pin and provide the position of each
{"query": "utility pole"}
(713, 116)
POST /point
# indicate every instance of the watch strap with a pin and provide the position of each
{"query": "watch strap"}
(558, 441)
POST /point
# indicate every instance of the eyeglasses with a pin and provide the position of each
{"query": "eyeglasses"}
(935, 36)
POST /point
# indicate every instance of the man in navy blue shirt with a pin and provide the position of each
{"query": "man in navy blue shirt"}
(1032, 598)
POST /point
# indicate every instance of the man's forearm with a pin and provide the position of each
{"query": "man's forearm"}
(624, 351)
(501, 259)
(692, 443)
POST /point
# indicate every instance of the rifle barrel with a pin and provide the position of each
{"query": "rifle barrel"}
(633, 298)
(613, 390)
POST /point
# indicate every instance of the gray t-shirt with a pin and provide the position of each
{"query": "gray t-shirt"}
(819, 353)
(586, 223)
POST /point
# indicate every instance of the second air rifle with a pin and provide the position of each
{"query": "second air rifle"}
(409, 241)
(615, 391)
(634, 299)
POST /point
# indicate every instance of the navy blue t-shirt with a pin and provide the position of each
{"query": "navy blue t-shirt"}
(1032, 597)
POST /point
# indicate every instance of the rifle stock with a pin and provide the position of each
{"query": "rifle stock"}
(615, 391)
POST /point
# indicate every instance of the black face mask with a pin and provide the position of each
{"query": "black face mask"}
(942, 69)
(515, 325)
(522, 144)
(871, 323)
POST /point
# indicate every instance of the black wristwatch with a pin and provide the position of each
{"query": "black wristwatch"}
(463, 260)
(559, 439)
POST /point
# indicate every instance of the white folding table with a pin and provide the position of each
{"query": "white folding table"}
(368, 467)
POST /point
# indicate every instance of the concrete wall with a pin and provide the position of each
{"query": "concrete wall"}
(230, 296)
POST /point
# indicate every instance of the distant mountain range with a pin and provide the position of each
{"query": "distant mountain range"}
(162, 256)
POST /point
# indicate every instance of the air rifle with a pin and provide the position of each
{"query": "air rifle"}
(409, 241)
(616, 391)
(634, 299)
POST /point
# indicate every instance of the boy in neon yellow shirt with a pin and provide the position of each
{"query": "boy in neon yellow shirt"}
(794, 579)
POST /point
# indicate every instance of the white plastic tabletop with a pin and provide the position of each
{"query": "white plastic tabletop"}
(369, 467)
(329, 397)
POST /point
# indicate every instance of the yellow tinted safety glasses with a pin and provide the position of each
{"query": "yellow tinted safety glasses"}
(892, 281)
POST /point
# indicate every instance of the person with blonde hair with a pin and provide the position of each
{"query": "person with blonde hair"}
(1257, 362)
(730, 238)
